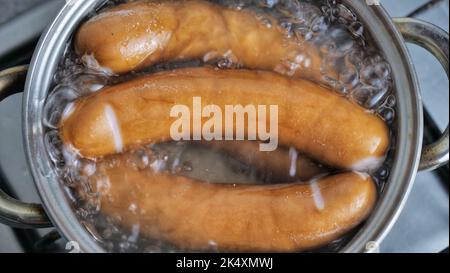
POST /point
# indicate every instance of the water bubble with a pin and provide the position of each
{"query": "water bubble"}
(387, 113)
(331, 82)
(331, 11)
(287, 8)
(100, 182)
(357, 29)
(224, 63)
(301, 33)
(335, 11)
(268, 3)
(110, 163)
(326, 9)
(82, 213)
(93, 203)
(53, 145)
(346, 14)
(124, 246)
(267, 22)
(349, 77)
(90, 227)
(383, 173)
(227, 61)
(107, 232)
(329, 68)
(378, 97)
(336, 245)
(309, 35)
(91, 64)
(391, 101)
(286, 27)
(70, 156)
(337, 44)
(71, 69)
(134, 234)
(86, 167)
(319, 24)
(158, 165)
(367, 96)
(55, 106)
(236, 4)
(375, 73)
(89, 83)
(153, 248)
(139, 159)
(303, 14)
(187, 166)
(356, 57)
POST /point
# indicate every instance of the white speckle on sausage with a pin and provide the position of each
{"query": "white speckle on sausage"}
(115, 129)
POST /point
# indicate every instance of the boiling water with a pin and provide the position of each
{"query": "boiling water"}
(352, 66)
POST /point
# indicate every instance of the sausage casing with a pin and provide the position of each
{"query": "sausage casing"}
(138, 34)
(194, 215)
(314, 120)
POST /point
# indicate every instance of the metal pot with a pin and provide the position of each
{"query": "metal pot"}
(410, 156)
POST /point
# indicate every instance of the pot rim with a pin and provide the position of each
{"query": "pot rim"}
(409, 130)
(52, 45)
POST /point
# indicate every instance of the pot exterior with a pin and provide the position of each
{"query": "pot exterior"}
(409, 128)
(407, 150)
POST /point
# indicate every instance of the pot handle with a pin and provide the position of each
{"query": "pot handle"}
(435, 40)
(13, 212)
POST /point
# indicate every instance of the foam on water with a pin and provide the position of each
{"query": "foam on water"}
(90, 62)
(370, 164)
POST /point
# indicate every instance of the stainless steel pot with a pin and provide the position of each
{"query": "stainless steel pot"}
(410, 156)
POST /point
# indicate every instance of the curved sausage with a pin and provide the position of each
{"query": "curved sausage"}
(136, 35)
(319, 123)
(193, 215)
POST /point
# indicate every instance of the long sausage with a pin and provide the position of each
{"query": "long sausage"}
(193, 215)
(317, 122)
(136, 35)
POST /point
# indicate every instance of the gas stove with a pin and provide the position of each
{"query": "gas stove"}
(423, 225)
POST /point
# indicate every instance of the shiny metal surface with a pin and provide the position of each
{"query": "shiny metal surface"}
(436, 41)
(407, 151)
(14, 212)
(22, 215)
(43, 65)
(12, 80)
(409, 129)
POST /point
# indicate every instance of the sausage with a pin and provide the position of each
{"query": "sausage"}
(194, 215)
(277, 166)
(314, 120)
(135, 35)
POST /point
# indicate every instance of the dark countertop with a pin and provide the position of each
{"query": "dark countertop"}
(11, 8)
